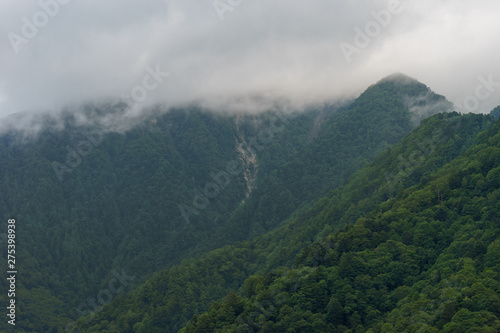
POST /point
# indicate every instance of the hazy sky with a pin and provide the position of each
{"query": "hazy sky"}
(58, 52)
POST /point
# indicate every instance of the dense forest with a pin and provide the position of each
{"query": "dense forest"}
(312, 240)
(425, 260)
(377, 214)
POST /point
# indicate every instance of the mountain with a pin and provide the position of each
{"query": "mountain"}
(346, 141)
(141, 204)
(302, 242)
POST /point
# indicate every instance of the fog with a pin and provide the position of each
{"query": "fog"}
(241, 55)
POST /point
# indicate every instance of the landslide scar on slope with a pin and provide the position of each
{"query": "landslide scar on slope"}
(249, 159)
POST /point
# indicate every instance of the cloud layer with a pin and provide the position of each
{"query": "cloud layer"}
(261, 50)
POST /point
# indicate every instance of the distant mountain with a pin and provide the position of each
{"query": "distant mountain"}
(95, 204)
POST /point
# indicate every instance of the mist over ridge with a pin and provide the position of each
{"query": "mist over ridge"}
(243, 57)
(122, 114)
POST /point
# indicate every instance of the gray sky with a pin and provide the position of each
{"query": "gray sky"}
(226, 53)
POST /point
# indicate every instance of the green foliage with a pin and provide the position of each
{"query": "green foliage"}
(290, 245)
(398, 281)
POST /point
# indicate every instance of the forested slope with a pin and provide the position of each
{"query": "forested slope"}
(166, 300)
(427, 260)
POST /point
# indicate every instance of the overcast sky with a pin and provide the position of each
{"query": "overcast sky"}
(225, 52)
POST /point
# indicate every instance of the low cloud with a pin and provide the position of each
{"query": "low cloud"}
(263, 51)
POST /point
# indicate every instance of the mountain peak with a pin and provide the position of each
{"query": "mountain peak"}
(417, 97)
(399, 77)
